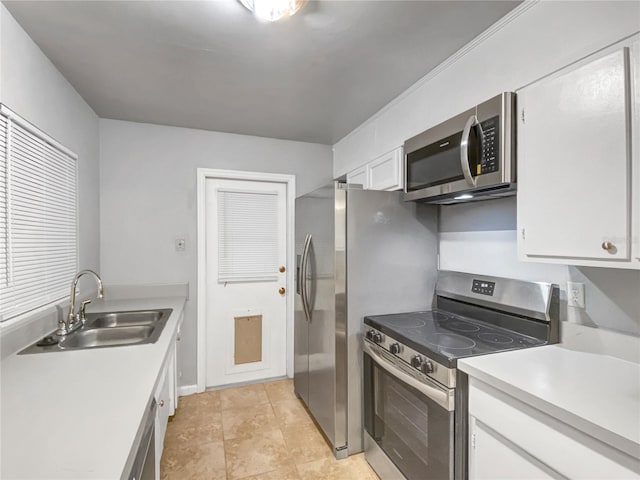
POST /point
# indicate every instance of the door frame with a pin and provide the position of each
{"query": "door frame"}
(203, 174)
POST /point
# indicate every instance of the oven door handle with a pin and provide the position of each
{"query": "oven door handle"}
(442, 397)
(464, 149)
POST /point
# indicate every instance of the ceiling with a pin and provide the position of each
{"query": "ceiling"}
(210, 65)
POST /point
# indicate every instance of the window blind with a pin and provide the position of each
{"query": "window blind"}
(247, 235)
(38, 217)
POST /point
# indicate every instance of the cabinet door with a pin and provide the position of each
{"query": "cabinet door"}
(358, 176)
(162, 415)
(385, 172)
(574, 163)
(171, 381)
(492, 456)
(175, 393)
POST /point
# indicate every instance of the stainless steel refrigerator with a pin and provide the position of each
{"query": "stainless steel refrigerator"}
(359, 252)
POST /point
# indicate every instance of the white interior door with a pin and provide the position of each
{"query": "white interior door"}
(246, 301)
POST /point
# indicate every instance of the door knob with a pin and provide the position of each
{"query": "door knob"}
(282, 269)
(281, 290)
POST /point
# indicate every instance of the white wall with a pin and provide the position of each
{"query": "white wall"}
(148, 199)
(32, 87)
(536, 39)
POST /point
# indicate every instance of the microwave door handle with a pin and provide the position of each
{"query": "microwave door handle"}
(464, 149)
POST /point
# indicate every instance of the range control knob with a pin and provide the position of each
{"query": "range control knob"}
(417, 361)
(427, 367)
(374, 336)
(395, 348)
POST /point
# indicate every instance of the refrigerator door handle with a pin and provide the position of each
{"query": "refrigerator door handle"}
(303, 277)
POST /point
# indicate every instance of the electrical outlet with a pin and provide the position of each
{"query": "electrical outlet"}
(575, 294)
(180, 244)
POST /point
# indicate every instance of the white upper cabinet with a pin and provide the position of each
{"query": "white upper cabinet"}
(359, 176)
(383, 173)
(578, 166)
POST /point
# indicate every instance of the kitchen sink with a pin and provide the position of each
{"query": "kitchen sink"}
(123, 319)
(108, 329)
(107, 337)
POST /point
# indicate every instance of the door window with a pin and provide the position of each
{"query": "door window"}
(247, 235)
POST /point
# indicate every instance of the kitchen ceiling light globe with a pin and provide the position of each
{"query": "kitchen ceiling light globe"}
(272, 10)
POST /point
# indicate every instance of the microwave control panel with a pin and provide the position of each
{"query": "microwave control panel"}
(490, 142)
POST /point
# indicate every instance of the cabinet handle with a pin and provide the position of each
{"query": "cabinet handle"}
(162, 403)
(607, 246)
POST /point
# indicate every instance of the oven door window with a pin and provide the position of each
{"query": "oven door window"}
(415, 432)
(439, 163)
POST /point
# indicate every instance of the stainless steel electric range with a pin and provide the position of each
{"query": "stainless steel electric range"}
(415, 400)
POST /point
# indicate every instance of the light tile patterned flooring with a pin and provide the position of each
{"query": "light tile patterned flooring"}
(255, 432)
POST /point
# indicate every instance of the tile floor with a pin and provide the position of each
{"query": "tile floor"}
(255, 432)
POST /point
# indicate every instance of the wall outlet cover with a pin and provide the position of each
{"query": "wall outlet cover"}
(575, 295)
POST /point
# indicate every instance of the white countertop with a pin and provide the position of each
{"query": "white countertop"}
(75, 414)
(597, 394)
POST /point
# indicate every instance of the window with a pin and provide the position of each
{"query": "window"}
(38, 217)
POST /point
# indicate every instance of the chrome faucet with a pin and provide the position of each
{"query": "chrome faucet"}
(76, 320)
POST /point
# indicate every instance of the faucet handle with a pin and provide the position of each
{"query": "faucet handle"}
(83, 306)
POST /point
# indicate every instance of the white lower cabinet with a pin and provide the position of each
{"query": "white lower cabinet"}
(510, 439)
(494, 457)
(176, 372)
(173, 375)
(166, 396)
(383, 173)
(163, 396)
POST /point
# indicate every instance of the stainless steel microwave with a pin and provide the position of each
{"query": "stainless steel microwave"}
(469, 157)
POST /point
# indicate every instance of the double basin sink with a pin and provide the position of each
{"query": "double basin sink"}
(108, 329)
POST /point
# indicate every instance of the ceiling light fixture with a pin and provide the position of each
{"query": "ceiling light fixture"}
(272, 10)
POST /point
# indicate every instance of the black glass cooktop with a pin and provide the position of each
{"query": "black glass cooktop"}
(445, 337)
